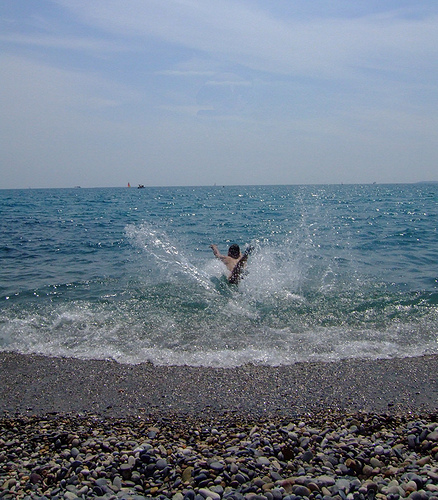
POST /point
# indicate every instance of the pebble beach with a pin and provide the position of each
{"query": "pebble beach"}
(97, 429)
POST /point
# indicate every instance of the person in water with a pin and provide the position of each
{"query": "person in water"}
(235, 261)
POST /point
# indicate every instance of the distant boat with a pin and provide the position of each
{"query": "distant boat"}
(140, 186)
(129, 185)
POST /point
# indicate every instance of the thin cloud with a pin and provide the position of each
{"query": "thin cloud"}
(186, 74)
(232, 31)
(74, 43)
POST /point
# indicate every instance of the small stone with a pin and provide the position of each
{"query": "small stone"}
(433, 436)
(217, 489)
(343, 484)
(117, 483)
(82, 491)
(352, 464)
(395, 490)
(35, 478)
(75, 464)
(206, 493)
(276, 493)
(326, 481)
(376, 463)
(68, 495)
(217, 466)
(307, 456)
(326, 492)
(10, 483)
(367, 470)
(126, 471)
(234, 469)
(152, 432)
(187, 474)
(423, 461)
(412, 441)
(418, 495)
(267, 486)
(371, 486)
(98, 491)
(240, 478)
(410, 486)
(301, 491)
(161, 464)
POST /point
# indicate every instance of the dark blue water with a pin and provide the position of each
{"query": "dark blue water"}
(337, 272)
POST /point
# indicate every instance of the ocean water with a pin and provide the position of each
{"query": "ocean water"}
(127, 274)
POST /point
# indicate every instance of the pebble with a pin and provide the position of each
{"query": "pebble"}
(323, 456)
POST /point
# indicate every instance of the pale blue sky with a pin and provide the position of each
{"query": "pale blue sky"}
(190, 92)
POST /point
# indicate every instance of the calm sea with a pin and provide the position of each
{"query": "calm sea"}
(127, 274)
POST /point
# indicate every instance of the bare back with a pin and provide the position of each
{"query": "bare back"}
(230, 262)
(234, 265)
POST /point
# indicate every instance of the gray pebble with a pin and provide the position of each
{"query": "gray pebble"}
(217, 466)
(161, 464)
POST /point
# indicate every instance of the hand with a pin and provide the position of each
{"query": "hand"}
(249, 249)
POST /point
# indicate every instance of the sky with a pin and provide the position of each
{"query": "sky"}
(232, 92)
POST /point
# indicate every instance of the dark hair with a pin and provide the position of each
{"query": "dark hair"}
(234, 251)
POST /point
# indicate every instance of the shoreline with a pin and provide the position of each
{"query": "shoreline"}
(40, 385)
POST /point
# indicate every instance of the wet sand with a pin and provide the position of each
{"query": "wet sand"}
(39, 385)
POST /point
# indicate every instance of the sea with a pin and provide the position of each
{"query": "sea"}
(126, 274)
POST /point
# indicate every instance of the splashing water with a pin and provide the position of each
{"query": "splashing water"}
(129, 275)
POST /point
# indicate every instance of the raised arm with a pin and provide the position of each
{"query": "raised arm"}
(217, 254)
(216, 251)
(226, 259)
